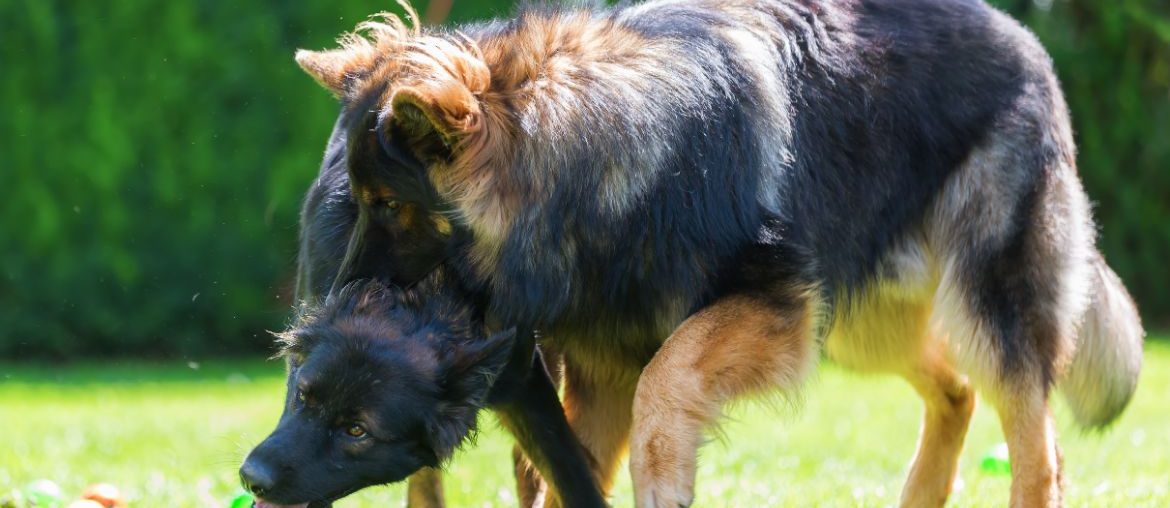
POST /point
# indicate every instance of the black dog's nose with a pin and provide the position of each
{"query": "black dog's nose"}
(257, 478)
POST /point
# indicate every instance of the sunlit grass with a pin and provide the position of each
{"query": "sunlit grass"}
(173, 435)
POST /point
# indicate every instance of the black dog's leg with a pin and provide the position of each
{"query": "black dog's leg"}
(526, 401)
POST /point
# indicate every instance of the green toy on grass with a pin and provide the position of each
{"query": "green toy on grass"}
(996, 460)
(244, 500)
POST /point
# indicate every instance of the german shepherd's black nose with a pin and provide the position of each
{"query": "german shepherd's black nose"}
(257, 478)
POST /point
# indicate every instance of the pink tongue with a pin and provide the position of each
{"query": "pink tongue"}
(260, 503)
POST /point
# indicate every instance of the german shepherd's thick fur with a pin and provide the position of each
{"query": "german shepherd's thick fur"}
(692, 198)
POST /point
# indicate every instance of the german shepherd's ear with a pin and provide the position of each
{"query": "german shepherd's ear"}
(442, 105)
(472, 370)
(447, 111)
(334, 69)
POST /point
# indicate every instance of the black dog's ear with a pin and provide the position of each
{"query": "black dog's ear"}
(486, 357)
(470, 373)
(291, 345)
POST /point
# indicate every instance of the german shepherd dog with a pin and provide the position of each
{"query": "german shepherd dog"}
(692, 198)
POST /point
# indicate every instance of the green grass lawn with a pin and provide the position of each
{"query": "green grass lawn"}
(173, 435)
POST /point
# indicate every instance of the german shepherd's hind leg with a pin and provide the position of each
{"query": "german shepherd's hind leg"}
(735, 346)
(531, 489)
(950, 401)
(598, 400)
(886, 329)
(1031, 439)
(1015, 235)
(424, 489)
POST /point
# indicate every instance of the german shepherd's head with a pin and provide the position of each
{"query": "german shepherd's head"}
(530, 132)
(381, 382)
(451, 107)
(397, 143)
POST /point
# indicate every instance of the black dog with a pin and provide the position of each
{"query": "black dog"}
(381, 382)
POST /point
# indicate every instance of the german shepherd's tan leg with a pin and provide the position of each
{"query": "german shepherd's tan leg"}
(530, 487)
(424, 489)
(949, 403)
(598, 399)
(887, 330)
(735, 346)
(1031, 439)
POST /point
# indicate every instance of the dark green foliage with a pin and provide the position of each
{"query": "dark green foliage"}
(153, 156)
(152, 159)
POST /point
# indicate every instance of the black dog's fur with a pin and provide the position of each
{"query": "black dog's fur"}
(410, 369)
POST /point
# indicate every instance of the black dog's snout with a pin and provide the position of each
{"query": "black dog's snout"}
(257, 478)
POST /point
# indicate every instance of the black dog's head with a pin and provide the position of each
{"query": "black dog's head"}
(381, 382)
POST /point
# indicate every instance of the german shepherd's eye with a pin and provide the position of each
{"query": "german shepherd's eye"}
(355, 431)
(393, 204)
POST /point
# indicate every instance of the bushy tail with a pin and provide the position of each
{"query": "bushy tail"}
(1104, 372)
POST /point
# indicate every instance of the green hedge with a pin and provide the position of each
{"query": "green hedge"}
(153, 156)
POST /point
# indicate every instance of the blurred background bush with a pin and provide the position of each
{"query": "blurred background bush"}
(153, 156)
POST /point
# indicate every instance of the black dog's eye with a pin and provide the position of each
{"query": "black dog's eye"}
(300, 396)
(355, 431)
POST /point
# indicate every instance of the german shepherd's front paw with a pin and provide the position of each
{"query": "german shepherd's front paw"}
(662, 463)
(663, 496)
